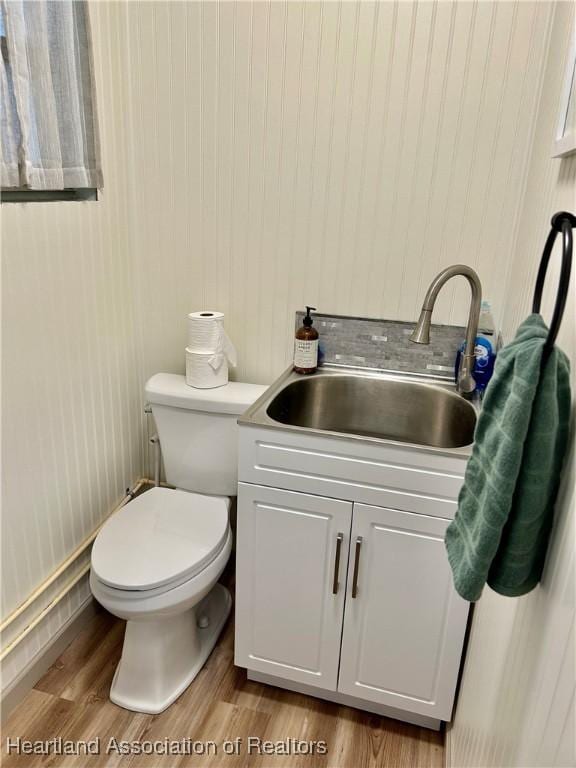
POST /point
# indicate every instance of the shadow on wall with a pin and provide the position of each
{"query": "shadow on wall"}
(521, 669)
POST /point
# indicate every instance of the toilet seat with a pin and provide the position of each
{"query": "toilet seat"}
(160, 540)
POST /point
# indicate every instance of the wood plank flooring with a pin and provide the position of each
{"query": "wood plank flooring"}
(71, 702)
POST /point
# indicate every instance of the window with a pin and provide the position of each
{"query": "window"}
(49, 129)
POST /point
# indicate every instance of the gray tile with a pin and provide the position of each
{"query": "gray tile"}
(372, 343)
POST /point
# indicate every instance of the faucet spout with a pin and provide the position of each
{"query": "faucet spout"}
(421, 333)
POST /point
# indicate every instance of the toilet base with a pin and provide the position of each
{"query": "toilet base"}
(160, 658)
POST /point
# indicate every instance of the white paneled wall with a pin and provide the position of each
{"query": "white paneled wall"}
(71, 375)
(516, 705)
(335, 154)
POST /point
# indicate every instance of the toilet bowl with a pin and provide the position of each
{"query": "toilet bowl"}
(156, 562)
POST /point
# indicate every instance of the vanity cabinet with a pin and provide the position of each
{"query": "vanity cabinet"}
(404, 621)
(343, 599)
(289, 598)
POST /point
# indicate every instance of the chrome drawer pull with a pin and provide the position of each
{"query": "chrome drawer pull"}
(335, 583)
(356, 564)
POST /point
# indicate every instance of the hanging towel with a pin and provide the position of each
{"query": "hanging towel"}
(505, 508)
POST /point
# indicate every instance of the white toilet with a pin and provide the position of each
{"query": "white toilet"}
(157, 561)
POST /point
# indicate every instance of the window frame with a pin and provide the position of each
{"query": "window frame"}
(22, 195)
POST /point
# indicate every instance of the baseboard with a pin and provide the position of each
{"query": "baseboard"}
(45, 657)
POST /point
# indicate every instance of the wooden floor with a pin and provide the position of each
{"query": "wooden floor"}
(71, 702)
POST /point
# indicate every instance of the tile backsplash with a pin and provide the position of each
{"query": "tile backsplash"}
(384, 344)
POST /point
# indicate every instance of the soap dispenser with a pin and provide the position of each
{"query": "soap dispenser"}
(306, 345)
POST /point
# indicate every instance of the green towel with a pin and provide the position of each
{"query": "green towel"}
(505, 508)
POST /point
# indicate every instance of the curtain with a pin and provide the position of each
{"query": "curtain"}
(49, 125)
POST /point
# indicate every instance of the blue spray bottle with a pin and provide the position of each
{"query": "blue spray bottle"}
(485, 349)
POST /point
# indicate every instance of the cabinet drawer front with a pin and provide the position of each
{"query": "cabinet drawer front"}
(403, 633)
(386, 475)
(289, 585)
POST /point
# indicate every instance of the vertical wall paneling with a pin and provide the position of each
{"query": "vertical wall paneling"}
(71, 372)
(337, 154)
(516, 704)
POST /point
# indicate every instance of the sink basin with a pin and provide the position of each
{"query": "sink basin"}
(376, 407)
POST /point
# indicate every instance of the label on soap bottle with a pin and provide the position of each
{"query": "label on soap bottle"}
(305, 353)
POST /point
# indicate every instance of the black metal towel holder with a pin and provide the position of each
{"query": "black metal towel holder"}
(562, 223)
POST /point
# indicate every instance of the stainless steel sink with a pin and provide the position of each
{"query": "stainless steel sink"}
(377, 406)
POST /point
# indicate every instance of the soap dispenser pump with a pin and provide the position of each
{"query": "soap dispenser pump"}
(306, 345)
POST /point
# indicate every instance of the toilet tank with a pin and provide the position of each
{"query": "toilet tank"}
(198, 431)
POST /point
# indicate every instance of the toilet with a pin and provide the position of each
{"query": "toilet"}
(156, 562)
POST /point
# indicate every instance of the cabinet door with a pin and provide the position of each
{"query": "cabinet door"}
(404, 625)
(291, 561)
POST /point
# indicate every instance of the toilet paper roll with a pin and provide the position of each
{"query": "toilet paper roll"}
(205, 330)
(206, 333)
(206, 370)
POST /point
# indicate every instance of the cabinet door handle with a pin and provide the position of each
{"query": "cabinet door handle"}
(335, 584)
(356, 565)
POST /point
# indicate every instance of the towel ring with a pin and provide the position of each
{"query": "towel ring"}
(562, 222)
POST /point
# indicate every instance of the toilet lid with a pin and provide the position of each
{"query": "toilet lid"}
(160, 537)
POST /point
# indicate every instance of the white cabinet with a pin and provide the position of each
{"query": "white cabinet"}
(353, 601)
(404, 624)
(292, 554)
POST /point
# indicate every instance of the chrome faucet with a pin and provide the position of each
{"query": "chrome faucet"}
(465, 383)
